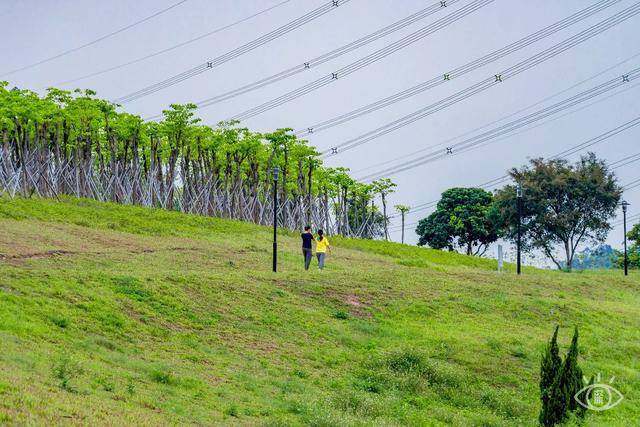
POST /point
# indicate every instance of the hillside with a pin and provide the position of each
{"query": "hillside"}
(122, 315)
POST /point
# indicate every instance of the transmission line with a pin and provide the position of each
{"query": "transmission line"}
(561, 155)
(625, 161)
(365, 61)
(629, 219)
(312, 63)
(632, 184)
(491, 81)
(232, 54)
(513, 125)
(176, 46)
(459, 71)
(515, 113)
(92, 42)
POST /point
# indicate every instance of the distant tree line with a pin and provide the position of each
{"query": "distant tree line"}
(563, 206)
(77, 144)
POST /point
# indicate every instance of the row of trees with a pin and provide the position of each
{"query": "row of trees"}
(74, 143)
(563, 206)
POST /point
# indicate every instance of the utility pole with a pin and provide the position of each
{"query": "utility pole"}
(624, 227)
(276, 171)
(519, 207)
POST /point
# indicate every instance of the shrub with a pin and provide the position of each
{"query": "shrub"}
(557, 395)
(60, 322)
(65, 370)
(232, 411)
(549, 368)
(341, 314)
(162, 376)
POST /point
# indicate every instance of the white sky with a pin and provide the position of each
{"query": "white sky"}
(31, 30)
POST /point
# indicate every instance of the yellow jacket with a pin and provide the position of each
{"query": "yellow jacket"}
(322, 245)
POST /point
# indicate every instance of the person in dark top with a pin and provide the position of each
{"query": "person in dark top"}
(307, 249)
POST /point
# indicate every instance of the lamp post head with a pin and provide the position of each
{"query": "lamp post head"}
(624, 206)
(276, 172)
(519, 191)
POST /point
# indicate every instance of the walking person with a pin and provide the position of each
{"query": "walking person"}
(307, 249)
(322, 246)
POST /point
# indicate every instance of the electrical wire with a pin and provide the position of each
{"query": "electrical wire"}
(489, 82)
(169, 49)
(625, 161)
(365, 61)
(232, 54)
(92, 42)
(632, 184)
(561, 155)
(511, 126)
(629, 219)
(459, 71)
(501, 119)
(312, 63)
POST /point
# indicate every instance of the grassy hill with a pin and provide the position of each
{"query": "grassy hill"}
(123, 315)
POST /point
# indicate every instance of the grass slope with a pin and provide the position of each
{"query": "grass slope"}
(122, 315)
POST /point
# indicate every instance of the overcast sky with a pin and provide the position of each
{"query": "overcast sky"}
(31, 30)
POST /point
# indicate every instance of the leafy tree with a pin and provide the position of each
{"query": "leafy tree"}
(633, 257)
(563, 205)
(633, 251)
(402, 210)
(464, 217)
(634, 234)
(75, 143)
(384, 187)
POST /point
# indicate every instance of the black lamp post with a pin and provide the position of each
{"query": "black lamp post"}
(624, 227)
(519, 207)
(276, 172)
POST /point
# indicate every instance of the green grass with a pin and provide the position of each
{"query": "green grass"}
(121, 314)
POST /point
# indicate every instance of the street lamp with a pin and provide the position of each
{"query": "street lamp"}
(276, 172)
(624, 227)
(519, 207)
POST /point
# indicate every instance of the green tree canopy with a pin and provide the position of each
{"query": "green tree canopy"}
(563, 204)
(633, 252)
(464, 217)
(175, 163)
(634, 234)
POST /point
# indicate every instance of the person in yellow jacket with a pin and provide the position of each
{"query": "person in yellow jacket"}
(322, 246)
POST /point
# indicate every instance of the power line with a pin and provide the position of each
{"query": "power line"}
(459, 71)
(582, 146)
(232, 54)
(176, 46)
(511, 126)
(312, 63)
(561, 155)
(625, 161)
(551, 119)
(629, 219)
(632, 184)
(365, 61)
(487, 83)
(433, 203)
(92, 42)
